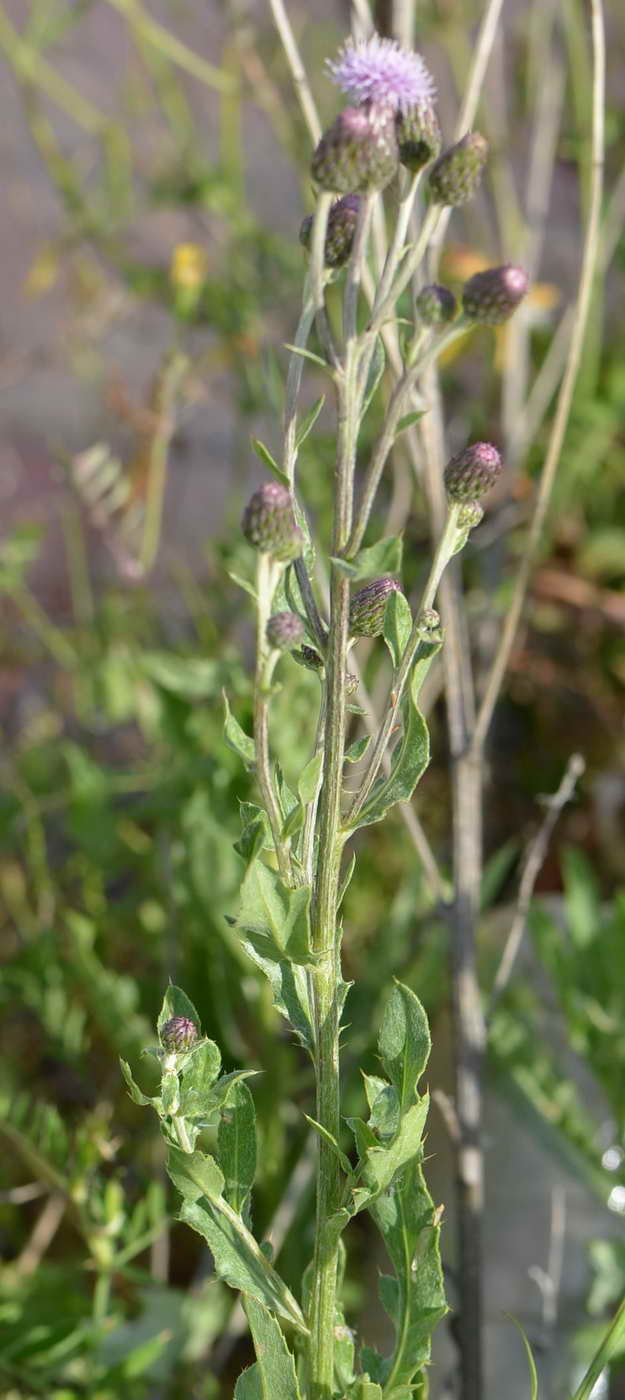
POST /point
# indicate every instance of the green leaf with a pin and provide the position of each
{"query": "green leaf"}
(308, 355)
(358, 749)
(236, 1145)
(243, 583)
(200, 1070)
(289, 987)
(331, 1140)
(176, 1003)
(612, 1344)
(583, 904)
(275, 1377)
(376, 370)
(415, 1298)
(308, 781)
(383, 1162)
(254, 833)
(269, 461)
(404, 1042)
(237, 739)
(277, 918)
(195, 1174)
(170, 1094)
(239, 1260)
(364, 1389)
(384, 557)
(346, 880)
(408, 420)
(410, 760)
(530, 1358)
(397, 625)
(133, 1089)
(383, 1105)
(190, 677)
(496, 871)
(308, 423)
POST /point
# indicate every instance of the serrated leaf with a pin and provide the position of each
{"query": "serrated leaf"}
(274, 1375)
(277, 918)
(308, 781)
(357, 750)
(176, 1003)
(236, 1146)
(383, 1162)
(309, 421)
(384, 557)
(289, 987)
(200, 1070)
(415, 1298)
(409, 761)
(404, 1042)
(408, 420)
(237, 739)
(397, 625)
(239, 1261)
(269, 461)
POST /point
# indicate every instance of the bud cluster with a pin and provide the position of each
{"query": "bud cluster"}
(178, 1034)
(269, 524)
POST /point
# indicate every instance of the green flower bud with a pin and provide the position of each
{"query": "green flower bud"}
(178, 1034)
(456, 174)
(358, 152)
(342, 221)
(429, 625)
(351, 683)
(418, 135)
(366, 613)
(268, 523)
(490, 297)
(470, 515)
(472, 472)
(285, 631)
(436, 305)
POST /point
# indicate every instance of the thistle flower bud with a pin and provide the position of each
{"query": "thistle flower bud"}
(429, 625)
(366, 613)
(490, 297)
(285, 631)
(358, 152)
(436, 305)
(351, 683)
(470, 515)
(419, 136)
(456, 174)
(307, 656)
(472, 472)
(178, 1034)
(268, 522)
(342, 221)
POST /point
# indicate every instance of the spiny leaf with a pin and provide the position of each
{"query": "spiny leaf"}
(275, 1377)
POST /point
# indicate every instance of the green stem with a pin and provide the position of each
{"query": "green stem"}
(444, 553)
(265, 587)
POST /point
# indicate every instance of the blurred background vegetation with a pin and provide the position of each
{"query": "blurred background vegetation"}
(155, 178)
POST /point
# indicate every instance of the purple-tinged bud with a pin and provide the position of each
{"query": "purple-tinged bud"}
(456, 174)
(358, 152)
(472, 472)
(470, 515)
(351, 683)
(269, 525)
(285, 631)
(436, 305)
(178, 1034)
(490, 297)
(308, 657)
(419, 136)
(366, 613)
(342, 221)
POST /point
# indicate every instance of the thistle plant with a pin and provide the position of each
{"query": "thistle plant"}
(314, 601)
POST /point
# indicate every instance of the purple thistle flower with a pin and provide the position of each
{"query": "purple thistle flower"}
(381, 72)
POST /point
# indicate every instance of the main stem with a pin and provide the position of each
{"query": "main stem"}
(325, 977)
